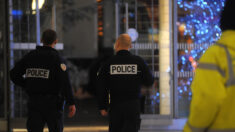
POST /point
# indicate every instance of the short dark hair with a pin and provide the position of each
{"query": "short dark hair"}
(227, 21)
(48, 37)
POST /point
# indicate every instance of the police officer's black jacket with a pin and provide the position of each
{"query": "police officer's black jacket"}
(122, 76)
(43, 72)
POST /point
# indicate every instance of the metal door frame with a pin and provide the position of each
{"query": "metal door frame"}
(5, 121)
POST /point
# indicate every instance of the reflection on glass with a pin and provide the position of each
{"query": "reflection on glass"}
(198, 26)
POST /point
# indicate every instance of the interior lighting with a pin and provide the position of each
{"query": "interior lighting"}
(40, 5)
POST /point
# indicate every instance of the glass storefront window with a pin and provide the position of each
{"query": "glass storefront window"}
(23, 24)
(2, 60)
(66, 17)
(198, 28)
(140, 18)
(151, 41)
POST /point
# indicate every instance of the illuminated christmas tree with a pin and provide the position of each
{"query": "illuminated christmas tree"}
(202, 27)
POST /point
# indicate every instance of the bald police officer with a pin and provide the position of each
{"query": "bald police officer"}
(43, 75)
(122, 77)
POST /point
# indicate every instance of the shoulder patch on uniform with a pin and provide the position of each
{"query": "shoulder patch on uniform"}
(63, 67)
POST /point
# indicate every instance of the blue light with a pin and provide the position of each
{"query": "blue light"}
(179, 87)
(154, 97)
(181, 91)
(17, 12)
(190, 93)
(188, 83)
(190, 79)
(185, 88)
(132, 15)
(158, 94)
(203, 15)
(198, 32)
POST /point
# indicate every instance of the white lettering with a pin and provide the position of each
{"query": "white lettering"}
(37, 73)
(123, 69)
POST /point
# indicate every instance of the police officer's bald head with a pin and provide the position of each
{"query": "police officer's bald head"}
(123, 42)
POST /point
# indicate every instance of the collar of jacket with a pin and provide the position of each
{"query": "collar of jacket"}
(228, 38)
(45, 48)
(123, 52)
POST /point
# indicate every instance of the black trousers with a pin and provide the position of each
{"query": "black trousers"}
(125, 117)
(45, 110)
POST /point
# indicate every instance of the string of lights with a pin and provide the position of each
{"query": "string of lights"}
(200, 27)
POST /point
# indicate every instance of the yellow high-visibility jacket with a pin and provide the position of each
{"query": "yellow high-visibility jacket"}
(212, 107)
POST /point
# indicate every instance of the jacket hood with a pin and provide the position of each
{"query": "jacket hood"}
(228, 38)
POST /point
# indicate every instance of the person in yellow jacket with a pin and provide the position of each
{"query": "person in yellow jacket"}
(212, 107)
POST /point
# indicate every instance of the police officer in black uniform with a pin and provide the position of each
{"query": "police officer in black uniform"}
(42, 74)
(122, 77)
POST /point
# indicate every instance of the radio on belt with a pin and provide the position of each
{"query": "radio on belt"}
(123, 69)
